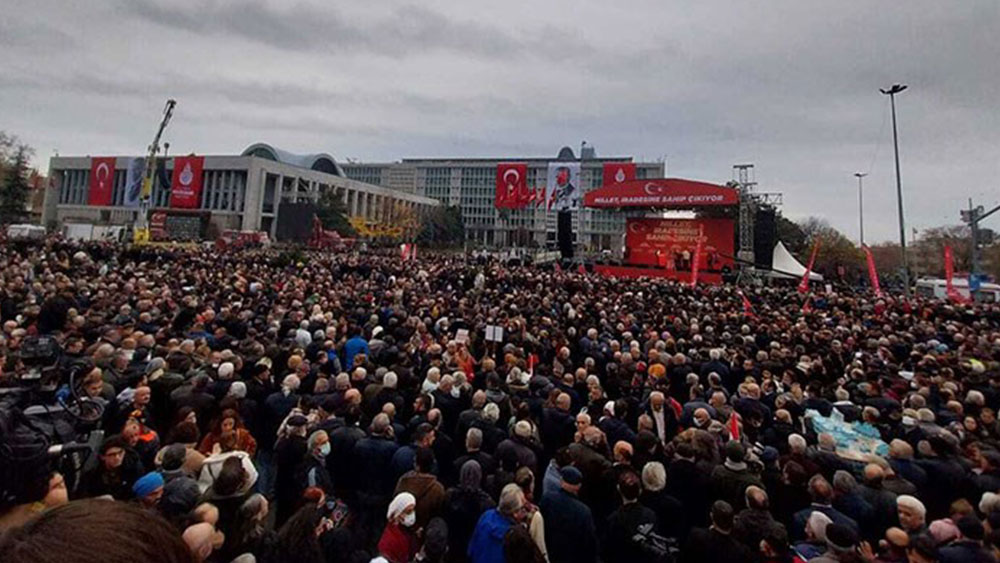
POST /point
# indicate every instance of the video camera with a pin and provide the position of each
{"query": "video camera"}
(45, 425)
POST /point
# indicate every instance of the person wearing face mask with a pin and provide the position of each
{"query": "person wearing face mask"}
(313, 470)
(398, 543)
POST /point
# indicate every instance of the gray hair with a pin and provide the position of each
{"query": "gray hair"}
(311, 443)
(491, 413)
(844, 482)
(654, 476)
(511, 499)
(473, 439)
(913, 503)
(797, 443)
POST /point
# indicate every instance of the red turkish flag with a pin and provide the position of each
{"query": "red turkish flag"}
(102, 180)
(618, 172)
(512, 185)
(185, 189)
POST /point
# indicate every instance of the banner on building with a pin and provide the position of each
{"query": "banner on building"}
(563, 184)
(672, 243)
(102, 180)
(133, 181)
(512, 185)
(185, 188)
(618, 172)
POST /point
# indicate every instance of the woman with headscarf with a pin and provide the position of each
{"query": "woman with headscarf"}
(399, 542)
(464, 505)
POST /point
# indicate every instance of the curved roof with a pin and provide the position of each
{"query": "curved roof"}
(322, 162)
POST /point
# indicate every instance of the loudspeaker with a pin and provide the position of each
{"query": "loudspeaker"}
(295, 222)
(564, 233)
(765, 236)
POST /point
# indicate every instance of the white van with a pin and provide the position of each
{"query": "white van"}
(25, 231)
(938, 288)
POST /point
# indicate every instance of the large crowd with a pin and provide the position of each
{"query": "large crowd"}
(265, 406)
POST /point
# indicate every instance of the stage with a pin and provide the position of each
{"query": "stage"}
(626, 271)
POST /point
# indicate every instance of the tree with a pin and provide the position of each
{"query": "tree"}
(332, 214)
(14, 190)
(837, 256)
(443, 226)
(790, 233)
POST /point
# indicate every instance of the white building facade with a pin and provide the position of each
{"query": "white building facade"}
(470, 183)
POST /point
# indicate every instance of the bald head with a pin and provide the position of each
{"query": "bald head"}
(563, 402)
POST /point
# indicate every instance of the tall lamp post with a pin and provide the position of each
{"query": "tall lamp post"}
(891, 92)
(861, 206)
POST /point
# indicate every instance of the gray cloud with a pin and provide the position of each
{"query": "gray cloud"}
(790, 86)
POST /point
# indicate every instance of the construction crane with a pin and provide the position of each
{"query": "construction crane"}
(140, 231)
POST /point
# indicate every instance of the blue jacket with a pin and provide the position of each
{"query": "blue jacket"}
(353, 347)
(486, 545)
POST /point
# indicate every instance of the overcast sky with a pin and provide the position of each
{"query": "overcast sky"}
(790, 85)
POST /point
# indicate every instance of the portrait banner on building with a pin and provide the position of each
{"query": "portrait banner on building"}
(512, 185)
(185, 189)
(563, 183)
(102, 180)
(133, 181)
(618, 172)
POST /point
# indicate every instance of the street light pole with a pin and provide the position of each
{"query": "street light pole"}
(891, 92)
(861, 206)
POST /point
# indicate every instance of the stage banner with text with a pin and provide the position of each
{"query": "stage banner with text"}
(672, 243)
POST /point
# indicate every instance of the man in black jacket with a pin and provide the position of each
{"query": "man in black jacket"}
(715, 544)
(570, 535)
(625, 524)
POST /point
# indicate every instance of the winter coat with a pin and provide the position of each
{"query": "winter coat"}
(570, 534)
(373, 456)
(462, 509)
(428, 492)
(486, 545)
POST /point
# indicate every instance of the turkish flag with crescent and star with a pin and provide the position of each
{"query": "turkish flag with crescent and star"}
(618, 172)
(185, 189)
(102, 180)
(512, 185)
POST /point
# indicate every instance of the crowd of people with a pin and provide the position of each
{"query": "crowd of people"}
(266, 406)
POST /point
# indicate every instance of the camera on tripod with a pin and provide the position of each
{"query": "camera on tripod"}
(41, 429)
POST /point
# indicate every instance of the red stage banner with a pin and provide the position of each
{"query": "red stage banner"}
(102, 180)
(185, 188)
(804, 284)
(512, 186)
(696, 264)
(661, 192)
(618, 172)
(672, 243)
(872, 273)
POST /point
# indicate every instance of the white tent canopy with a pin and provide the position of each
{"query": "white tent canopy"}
(786, 266)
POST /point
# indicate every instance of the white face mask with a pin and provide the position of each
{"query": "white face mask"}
(410, 519)
(456, 392)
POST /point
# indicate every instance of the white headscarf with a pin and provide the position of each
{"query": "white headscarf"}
(399, 504)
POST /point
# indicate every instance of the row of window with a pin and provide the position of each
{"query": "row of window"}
(222, 190)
